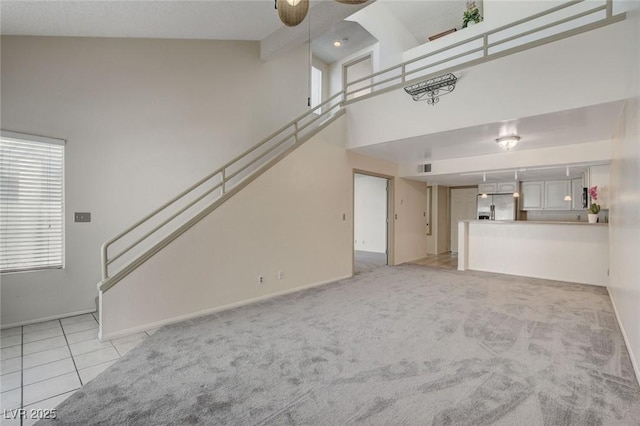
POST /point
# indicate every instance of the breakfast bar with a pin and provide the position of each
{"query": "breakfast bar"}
(564, 251)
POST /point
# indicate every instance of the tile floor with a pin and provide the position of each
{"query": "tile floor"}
(43, 364)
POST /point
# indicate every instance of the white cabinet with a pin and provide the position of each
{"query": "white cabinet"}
(498, 188)
(576, 194)
(507, 187)
(487, 188)
(532, 195)
(599, 176)
(554, 193)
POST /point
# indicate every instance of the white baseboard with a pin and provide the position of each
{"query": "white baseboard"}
(180, 318)
(53, 317)
(626, 340)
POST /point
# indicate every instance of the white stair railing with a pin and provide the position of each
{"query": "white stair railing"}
(125, 252)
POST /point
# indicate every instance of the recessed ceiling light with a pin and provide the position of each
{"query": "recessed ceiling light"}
(340, 43)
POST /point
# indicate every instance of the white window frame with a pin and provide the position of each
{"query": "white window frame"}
(26, 138)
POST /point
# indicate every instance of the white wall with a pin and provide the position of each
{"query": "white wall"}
(501, 89)
(143, 119)
(370, 213)
(624, 199)
(289, 219)
(394, 38)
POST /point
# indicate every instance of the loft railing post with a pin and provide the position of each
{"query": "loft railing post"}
(485, 42)
(404, 72)
(105, 271)
(609, 8)
(224, 180)
(295, 133)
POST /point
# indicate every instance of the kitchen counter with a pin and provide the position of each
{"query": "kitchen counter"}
(563, 251)
(533, 222)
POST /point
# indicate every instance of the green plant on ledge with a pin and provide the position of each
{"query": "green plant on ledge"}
(472, 14)
(593, 193)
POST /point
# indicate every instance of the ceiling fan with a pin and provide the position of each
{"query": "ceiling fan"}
(293, 12)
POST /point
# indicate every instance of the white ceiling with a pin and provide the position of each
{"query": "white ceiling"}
(216, 20)
(581, 125)
(356, 36)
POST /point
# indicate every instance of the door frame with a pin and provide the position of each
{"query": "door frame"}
(391, 217)
(357, 60)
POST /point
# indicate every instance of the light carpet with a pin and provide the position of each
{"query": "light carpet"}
(396, 345)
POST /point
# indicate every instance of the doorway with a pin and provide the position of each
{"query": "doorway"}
(463, 207)
(355, 70)
(370, 221)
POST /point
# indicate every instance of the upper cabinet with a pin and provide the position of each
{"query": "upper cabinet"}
(555, 192)
(599, 176)
(549, 195)
(498, 188)
(532, 196)
(507, 187)
(487, 188)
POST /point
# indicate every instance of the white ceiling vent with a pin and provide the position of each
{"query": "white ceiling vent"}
(424, 168)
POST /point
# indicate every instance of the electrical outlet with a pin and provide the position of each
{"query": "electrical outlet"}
(280, 275)
(260, 279)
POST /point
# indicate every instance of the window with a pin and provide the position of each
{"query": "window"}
(31, 202)
(316, 89)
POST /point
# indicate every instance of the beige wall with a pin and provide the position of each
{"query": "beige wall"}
(290, 219)
(143, 119)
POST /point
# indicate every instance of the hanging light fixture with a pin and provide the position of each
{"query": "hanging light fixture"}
(568, 196)
(516, 194)
(508, 142)
(292, 12)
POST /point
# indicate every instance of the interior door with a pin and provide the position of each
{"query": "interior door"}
(463, 207)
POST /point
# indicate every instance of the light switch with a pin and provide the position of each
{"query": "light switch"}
(82, 217)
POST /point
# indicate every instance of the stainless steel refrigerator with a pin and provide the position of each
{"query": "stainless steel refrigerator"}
(497, 207)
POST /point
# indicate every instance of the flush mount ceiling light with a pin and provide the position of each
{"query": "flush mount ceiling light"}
(508, 142)
(293, 12)
(431, 90)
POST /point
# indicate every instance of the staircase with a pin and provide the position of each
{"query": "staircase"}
(133, 246)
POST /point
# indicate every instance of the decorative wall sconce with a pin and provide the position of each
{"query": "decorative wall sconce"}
(431, 90)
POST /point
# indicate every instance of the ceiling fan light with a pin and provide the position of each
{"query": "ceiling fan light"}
(508, 142)
(292, 12)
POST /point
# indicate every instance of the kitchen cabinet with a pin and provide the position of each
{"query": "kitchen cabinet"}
(576, 194)
(507, 187)
(487, 188)
(498, 188)
(554, 193)
(532, 196)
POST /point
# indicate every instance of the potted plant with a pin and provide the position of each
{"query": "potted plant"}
(594, 208)
(471, 15)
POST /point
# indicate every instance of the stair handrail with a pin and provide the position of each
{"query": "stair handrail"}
(325, 110)
(403, 74)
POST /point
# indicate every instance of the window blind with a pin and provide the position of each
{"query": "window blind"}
(31, 202)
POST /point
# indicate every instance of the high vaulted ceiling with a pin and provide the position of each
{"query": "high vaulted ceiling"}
(214, 20)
